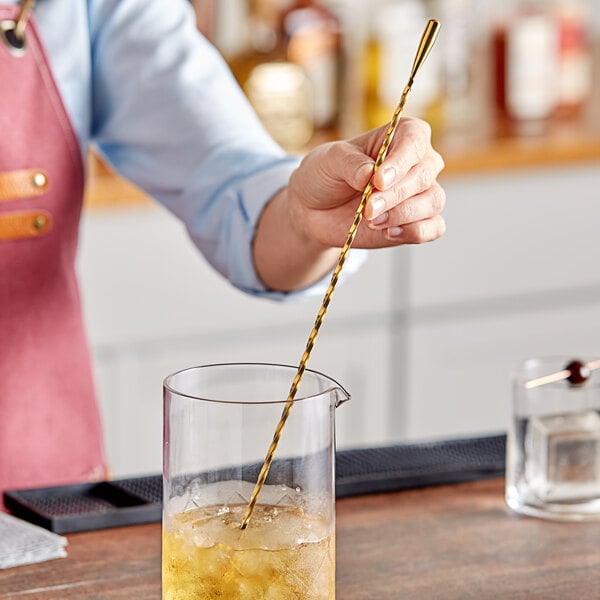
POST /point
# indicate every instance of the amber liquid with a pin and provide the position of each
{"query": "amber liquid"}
(284, 554)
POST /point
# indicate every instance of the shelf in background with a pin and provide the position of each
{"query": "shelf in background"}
(106, 190)
(565, 144)
(561, 147)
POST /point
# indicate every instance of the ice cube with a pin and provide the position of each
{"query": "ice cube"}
(278, 591)
(563, 456)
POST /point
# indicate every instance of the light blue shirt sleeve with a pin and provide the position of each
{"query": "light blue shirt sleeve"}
(168, 115)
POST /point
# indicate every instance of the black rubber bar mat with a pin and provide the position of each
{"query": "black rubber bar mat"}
(132, 501)
(404, 466)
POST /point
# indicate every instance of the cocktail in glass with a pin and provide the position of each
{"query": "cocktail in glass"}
(219, 421)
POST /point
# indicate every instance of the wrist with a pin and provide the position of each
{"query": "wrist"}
(298, 219)
(286, 256)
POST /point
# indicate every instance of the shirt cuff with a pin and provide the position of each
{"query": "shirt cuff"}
(254, 192)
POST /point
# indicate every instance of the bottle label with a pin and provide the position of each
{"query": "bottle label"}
(576, 68)
(532, 67)
(281, 95)
(314, 49)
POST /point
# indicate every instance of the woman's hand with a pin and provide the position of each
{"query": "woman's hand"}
(302, 228)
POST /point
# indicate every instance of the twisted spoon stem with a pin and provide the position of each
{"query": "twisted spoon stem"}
(427, 41)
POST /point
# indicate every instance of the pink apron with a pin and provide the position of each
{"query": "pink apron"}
(50, 430)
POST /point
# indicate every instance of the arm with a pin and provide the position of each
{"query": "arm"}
(301, 230)
(170, 117)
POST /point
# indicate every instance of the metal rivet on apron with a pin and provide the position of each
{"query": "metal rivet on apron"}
(39, 180)
(16, 46)
(12, 33)
(40, 222)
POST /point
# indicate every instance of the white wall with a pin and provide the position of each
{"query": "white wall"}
(424, 338)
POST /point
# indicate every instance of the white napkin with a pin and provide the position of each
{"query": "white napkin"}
(22, 543)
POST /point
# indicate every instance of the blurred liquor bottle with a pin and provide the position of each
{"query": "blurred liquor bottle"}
(278, 89)
(575, 63)
(313, 38)
(263, 41)
(395, 31)
(460, 36)
(526, 67)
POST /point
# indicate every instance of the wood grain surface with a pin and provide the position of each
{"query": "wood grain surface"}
(456, 542)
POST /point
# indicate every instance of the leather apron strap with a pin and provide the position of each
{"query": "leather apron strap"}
(50, 429)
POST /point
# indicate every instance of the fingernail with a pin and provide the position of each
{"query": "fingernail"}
(380, 220)
(394, 232)
(389, 176)
(366, 171)
(377, 207)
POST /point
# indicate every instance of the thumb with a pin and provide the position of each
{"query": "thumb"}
(349, 163)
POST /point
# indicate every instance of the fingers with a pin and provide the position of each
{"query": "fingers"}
(405, 206)
(410, 145)
(420, 207)
(331, 175)
(411, 167)
(417, 233)
(420, 178)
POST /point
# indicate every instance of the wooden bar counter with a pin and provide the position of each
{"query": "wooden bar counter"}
(452, 542)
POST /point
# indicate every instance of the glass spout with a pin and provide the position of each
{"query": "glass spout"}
(341, 395)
